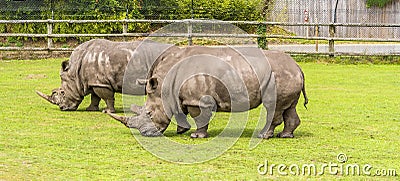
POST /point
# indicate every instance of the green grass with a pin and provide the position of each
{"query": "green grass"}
(353, 109)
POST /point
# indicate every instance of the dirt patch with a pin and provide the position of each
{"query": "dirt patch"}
(36, 76)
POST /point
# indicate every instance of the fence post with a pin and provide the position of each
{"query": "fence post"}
(190, 30)
(49, 33)
(124, 29)
(331, 41)
(125, 23)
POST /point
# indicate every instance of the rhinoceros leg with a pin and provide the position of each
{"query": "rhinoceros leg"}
(94, 103)
(183, 124)
(292, 120)
(278, 119)
(202, 117)
(269, 101)
(108, 96)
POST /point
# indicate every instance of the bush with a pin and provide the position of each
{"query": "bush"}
(241, 10)
(379, 3)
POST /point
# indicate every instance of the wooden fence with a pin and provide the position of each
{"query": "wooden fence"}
(333, 30)
(343, 11)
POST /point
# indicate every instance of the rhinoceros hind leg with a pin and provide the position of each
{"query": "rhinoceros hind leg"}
(94, 103)
(268, 134)
(108, 96)
(278, 119)
(269, 100)
(285, 135)
(292, 121)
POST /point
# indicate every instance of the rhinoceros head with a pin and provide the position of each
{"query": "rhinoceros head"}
(56, 97)
(59, 98)
(151, 119)
(66, 97)
(142, 122)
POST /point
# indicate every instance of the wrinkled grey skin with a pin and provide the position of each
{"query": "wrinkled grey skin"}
(200, 95)
(289, 80)
(97, 67)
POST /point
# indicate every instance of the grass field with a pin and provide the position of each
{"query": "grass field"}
(353, 109)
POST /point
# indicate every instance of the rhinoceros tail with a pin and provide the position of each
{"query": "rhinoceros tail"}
(304, 90)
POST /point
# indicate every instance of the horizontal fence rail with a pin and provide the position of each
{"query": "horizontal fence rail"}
(331, 39)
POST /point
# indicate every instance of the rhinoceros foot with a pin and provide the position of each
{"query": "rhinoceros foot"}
(199, 135)
(285, 135)
(108, 110)
(92, 108)
(181, 130)
(267, 135)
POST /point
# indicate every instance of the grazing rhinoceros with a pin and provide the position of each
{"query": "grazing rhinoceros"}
(289, 81)
(97, 67)
(199, 80)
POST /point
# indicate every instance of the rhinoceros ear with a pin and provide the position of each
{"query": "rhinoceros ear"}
(65, 65)
(152, 85)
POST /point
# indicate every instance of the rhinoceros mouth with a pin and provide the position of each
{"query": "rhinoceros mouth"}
(68, 108)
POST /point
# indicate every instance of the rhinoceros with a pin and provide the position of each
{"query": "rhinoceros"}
(199, 80)
(97, 67)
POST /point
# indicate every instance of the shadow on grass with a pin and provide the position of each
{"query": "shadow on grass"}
(117, 110)
(231, 132)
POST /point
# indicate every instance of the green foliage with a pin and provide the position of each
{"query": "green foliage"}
(262, 41)
(379, 3)
(113, 9)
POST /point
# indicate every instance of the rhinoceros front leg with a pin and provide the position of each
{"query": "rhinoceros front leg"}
(108, 96)
(202, 115)
(183, 124)
(94, 103)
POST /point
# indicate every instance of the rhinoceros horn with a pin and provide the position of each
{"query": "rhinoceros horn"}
(46, 97)
(145, 128)
(121, 119)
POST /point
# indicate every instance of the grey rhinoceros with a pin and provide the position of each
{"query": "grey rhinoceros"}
(97, 67)
(199, 80)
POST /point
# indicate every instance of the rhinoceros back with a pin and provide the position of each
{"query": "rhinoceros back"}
(100, 63)
(248, 64)
(140, 64)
